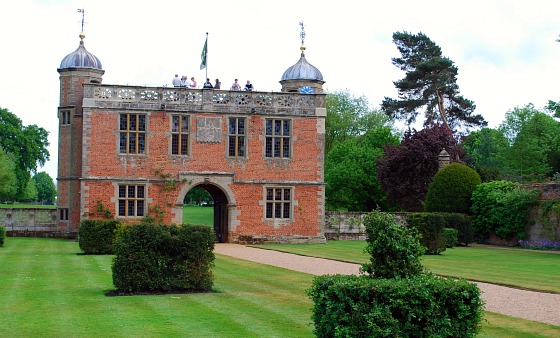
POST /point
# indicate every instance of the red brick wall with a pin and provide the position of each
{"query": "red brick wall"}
(302, 172)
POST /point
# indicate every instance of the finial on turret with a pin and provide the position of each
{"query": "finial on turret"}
(302, 35)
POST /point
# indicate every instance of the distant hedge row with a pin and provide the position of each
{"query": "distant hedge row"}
(431, 228)
(2, 235)
(97, 237)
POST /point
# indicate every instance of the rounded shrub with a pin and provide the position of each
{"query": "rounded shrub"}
(451, 189)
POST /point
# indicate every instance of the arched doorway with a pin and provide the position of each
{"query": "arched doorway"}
(220, 206)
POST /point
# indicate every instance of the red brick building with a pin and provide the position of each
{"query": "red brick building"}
(127, 152)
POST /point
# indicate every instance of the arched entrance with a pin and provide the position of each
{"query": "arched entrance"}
(218, 186)
(220, 211)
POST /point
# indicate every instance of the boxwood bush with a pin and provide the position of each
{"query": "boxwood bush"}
(97, 237)
(394, 250)
(420, 306)
(163, 258)
(2, 235)
(430, 226)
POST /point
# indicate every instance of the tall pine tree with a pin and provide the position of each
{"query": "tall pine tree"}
(429, 86)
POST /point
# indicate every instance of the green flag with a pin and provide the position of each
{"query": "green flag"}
(204, 53)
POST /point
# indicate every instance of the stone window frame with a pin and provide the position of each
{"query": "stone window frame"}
(278, 206)
(65, 116)
(125, 197)
(180, 135)
(270, 138)
(237, 138)
(139, 132)
(63, 214)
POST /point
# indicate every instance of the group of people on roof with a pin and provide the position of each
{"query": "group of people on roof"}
(185, 82)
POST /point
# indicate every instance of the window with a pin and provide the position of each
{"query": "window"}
(63, 214)
(179, 135)
(131, 200)
(65, 117)
(236, 136)
(278, 202)
(277, 138)
(132, 134)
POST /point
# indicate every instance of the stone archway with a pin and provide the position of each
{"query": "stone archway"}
(225, 210)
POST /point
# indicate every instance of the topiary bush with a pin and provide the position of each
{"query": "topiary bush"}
(430, 226)
(97, 237)
(163, 258)
(451, 189)
(394, 250)
(501, 207)
(449, 237)
(2, 235)
(420, 306)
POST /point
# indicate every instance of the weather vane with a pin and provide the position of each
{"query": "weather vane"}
(302, 34)
(83, 11)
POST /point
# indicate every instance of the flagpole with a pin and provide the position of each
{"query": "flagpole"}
(206, 54)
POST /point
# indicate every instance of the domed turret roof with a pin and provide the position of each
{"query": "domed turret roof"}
(81, 58)
(302, 70)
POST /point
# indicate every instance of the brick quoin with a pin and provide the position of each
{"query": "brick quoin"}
(91, 168)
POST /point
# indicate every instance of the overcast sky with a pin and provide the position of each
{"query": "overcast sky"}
(505, 50)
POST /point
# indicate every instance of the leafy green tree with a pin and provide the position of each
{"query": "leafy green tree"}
(46, 190)
(8, 179)
(429, 86)
(30, 192)
(198, 195)
(351, 172)
(535, 144)
(485, 149)
(349, 117)
(406, 170)
(27, 143)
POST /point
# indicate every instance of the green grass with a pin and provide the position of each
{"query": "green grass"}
(47, 290)
(531, 269)
(50, 291)
(196, 214)
(26, 206)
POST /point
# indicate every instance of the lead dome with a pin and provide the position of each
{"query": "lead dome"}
(81, 58)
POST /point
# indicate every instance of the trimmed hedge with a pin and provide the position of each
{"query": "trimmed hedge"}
(422, 306)
(2, 235)
(97, 237)
(449, 237)
(461, 223)
(430, 226)
(163, 258)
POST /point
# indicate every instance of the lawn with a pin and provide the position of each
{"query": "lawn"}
(196, 214)
(531, 269)
(48, 290)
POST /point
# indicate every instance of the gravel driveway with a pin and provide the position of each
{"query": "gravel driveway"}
(537, 306)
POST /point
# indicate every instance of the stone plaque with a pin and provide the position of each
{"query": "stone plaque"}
(209, 129)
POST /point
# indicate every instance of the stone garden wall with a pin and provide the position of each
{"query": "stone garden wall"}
(29, 222)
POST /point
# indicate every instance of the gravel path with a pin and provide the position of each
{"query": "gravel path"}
(537, 306)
